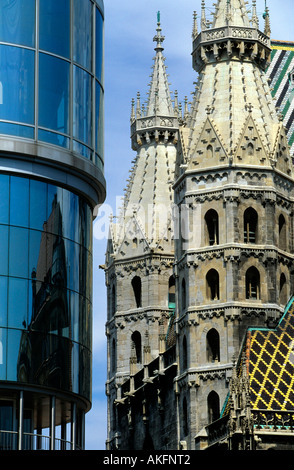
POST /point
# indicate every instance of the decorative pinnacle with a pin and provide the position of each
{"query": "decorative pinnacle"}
(158, 38)
(195, 28)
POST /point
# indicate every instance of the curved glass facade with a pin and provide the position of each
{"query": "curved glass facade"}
(45, 286)
(51, 78)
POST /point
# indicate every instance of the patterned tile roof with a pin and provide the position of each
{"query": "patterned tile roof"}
(280, 74)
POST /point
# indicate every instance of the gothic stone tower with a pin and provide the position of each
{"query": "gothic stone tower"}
(140, 252)
(234, 188)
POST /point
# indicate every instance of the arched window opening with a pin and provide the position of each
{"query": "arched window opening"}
(213, 346)
(252, 283)
(171, 293)
(213, 407)
(113, 356)
(250, 149)
(185, 417)
(185, 354)
(212, 231)
(113, 300)
(184, 294)
(209, 151)
(283, 289)
(212, 284)
(137, 288)
(137, 344)
(250, 225)
(282, 233)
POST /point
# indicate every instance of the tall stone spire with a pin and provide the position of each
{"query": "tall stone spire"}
(231, 58)
(159, 102)
(154, 135)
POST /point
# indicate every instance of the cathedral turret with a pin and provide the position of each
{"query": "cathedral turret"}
(234, 178)
(140, 254)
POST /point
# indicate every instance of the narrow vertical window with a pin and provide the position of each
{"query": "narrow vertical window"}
(212, 285)
(283, 289)
(252, 284)
(137, 343)
(282, 233)
(250, 225)
(137, 288)
(113, 300)
(185, 353)
(184, 294)
(212, 230)
(213, 346)
(213, 407)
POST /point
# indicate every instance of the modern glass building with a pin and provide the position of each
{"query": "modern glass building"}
(51, 183)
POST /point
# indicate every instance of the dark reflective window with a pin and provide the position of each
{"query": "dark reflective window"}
(99, 120)
(82, 114)
(4, 249)
(17, 28)
(17, 303)
(17, 81)
(83, 21)
(17, 129)
(55, 26)
(18, 251)
(19, 201)
(3, 302)
(15, 350)
(99, 45)
(4, 199)
(38, 204)
(54, 93)
(3, 356)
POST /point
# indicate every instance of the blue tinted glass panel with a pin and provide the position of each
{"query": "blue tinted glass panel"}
(18, 251)
(4, 199)
(3, 301)
(17, 129)
(4, 249)
(17, 303)
(37, 260)
(70, 210)
(99, 46)
(99, 144)
(82, 150)
(19, 201)
(53, 138)
(55, 26)
(38, 204)
(82, 112)
(54, 94)
(15, 345)
(3, 353)
(17, 78)
(17, 22)
(82, 53)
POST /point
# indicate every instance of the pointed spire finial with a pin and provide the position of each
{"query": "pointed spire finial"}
(203, 16)
(158, 38)
(254, 19)
(195, 27)
(267, 26)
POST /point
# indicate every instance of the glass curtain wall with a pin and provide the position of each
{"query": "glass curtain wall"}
(49, 51)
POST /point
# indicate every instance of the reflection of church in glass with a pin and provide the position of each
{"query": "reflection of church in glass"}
(50, 313)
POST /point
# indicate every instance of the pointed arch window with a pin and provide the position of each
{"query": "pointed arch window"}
(213, 346)
(212, 284)
(184, 294)
(113, 300)
(213, 407)
(250, 149)
(137, 288)
(283, 289)
(113, 355)
(252, 283)
(185, 354)
(209, 151)
(250, 225)
(137, 343)
(185, 417)
(282, 233)
(212, 229)
(171, 293)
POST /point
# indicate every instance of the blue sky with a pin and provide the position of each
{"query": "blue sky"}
(129, 49)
